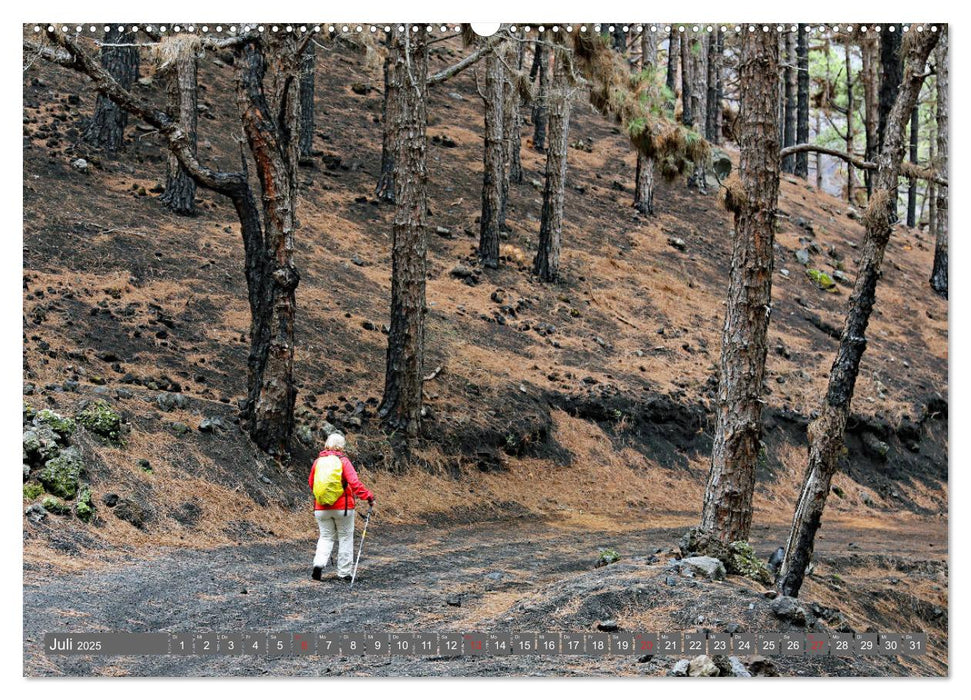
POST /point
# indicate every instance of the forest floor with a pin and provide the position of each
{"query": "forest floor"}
(523, 575)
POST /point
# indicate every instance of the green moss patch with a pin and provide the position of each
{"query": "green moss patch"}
(102, 421)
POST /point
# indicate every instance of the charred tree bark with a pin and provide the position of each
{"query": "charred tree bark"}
(713, 102)
(644, 176)
(727, 512)
(540, 109)
(510, 131)
(512, 113)
(400, 407)
(546, 264)
(801, 168)
(826, 433)
(107, 127)
(939, 274)
(870, 52)
(385, 188)
(490, 220)
(912, 185)
(890, 77)
(180, 188)
(271, 126)
(789, 107)
(687, 80)
(307, 65)
(850, 143)
(671, 76)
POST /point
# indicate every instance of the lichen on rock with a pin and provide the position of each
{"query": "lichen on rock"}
(61, 475)
(102, 421)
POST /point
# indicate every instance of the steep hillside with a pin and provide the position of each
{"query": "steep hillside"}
(585, 402)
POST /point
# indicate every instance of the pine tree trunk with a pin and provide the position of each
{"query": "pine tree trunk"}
(513, 130)
(542, 95)
(939, 274)
(385, 189)
(271, 129)
(819, 156)
(871, 103)
(727, 512)
(671, 75)
(400, 407)
(789, 118)
(107, 127)
(699, 89)
(713, 102)
(644, 176)
(307, 65)
(931, 199)
(180, 189)
(801, 168)
(826, 433)
(687, 116)
(850, 144)
(890, 77)
(546, 264)
(912, 186)
(510, 134)
(492, 158)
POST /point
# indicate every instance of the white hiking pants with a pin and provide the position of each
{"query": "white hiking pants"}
(334, 527)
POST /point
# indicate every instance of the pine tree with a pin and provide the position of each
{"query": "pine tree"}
(939, 274)
(490, 220)
(801, 168)
(401, 404)
(546, 264)
(826, 432)
(752, 197)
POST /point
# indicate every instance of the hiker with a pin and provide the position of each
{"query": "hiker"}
(334, 495)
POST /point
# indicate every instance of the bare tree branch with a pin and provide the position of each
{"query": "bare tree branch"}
(906, 169)
(70, 55)
(490, 44)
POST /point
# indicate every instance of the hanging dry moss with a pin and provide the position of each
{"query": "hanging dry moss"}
(734, 198)
(172, 49)
(877, 214)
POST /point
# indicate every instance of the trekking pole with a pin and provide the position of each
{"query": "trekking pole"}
(367, 519)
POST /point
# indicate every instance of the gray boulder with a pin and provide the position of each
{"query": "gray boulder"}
(738, 668)
(788, 609)
(708, 567)
(36, 513)
(170, 402)
(680, 669)
(702, 666)
(40, 444)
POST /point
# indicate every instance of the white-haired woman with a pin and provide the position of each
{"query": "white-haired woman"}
(336, 520)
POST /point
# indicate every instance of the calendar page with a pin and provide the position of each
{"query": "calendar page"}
(390, 349)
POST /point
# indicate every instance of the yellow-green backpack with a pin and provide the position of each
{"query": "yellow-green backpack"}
(328, 480)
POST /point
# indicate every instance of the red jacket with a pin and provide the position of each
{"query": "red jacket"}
(354, 485)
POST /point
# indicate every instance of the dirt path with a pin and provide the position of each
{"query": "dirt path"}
(406, 577)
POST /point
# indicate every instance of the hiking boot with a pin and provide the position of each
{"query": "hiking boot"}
(343, 578)
(315, 575)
